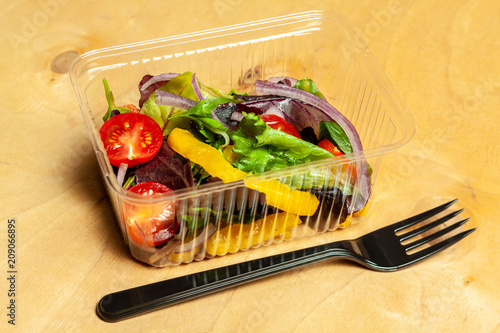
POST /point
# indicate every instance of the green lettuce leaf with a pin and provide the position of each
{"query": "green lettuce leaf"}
(262, 148)
(309, 86)
(321, 179)
(201, 116)
(164, 115)
(111, 102)
(333, 132)
(180, 85)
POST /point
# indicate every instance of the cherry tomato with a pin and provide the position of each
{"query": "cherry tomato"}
(280, 124)
(328, 145)
(349, 168)
(151, 224)
(131, 138)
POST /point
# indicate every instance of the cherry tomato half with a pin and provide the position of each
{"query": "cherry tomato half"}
(349, 168)
(131, 138)
(151, 224)
(328, 145)
(279, 124)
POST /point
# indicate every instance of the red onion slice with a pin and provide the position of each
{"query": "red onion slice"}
(158, 78)
(271, 88)
(196, 87)
(120, 176)
(236, 116)
(198, 241)
(289, 81)
(166, 98)
(265, 87)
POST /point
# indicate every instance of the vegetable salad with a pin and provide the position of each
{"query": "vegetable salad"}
(182, 134)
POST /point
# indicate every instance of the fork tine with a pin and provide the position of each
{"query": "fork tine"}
(435, 235)
(439, 246)
(429, 226)
(421, 217)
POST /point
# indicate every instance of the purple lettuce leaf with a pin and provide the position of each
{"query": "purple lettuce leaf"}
(167, 168)
(224, 114)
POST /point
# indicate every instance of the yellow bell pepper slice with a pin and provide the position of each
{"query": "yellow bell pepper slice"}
(183, 257)
(278, 195)
(237, 237)
(184, 143)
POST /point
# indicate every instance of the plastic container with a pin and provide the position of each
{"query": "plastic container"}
(318, 45)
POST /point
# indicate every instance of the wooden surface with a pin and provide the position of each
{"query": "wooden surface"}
(441, 56)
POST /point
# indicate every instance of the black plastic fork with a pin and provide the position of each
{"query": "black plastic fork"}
(380, 250)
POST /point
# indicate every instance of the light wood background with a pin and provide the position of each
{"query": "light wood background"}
(442, 57)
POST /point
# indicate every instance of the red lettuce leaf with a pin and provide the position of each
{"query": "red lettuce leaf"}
(167, 168)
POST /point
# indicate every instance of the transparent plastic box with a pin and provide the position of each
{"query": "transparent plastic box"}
(319, 45)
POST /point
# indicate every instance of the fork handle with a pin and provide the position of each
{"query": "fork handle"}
(132, 302)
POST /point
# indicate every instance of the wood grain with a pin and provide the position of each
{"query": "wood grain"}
(442, 58)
